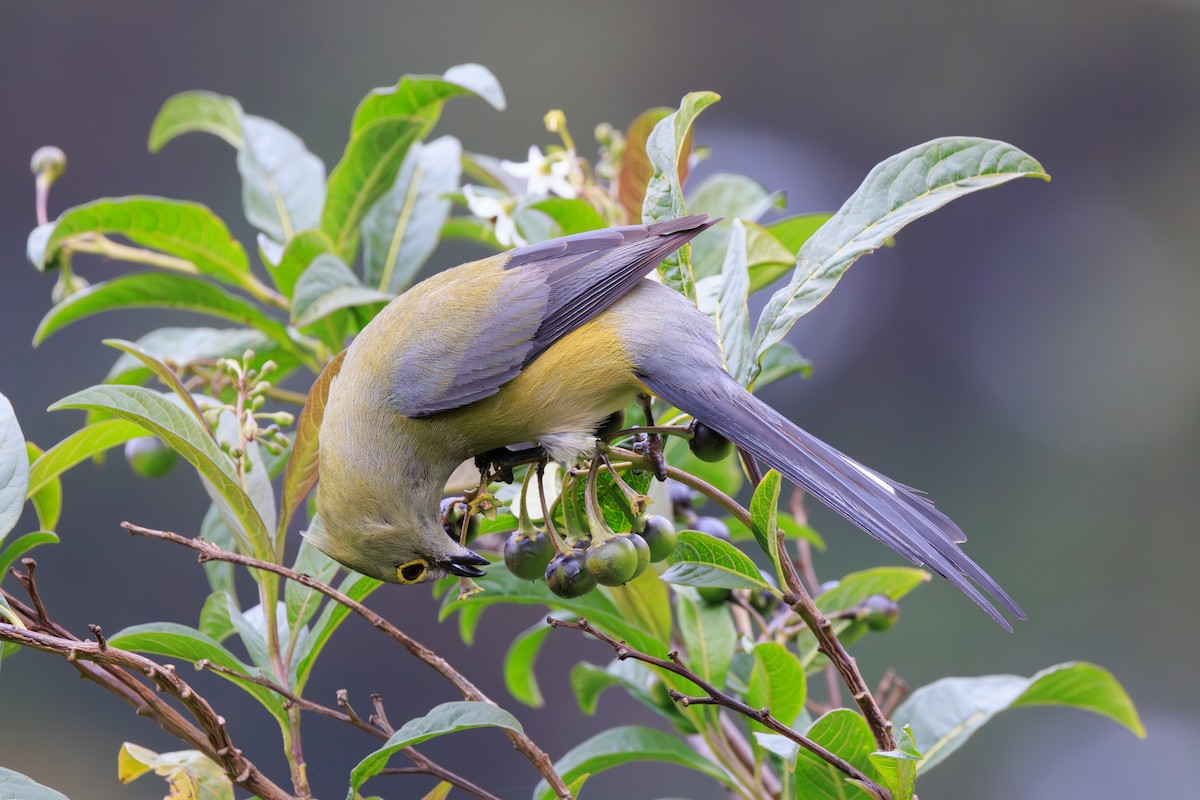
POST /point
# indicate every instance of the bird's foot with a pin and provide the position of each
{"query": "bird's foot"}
(499, 463)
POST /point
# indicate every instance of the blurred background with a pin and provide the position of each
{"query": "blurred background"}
(1028, 354)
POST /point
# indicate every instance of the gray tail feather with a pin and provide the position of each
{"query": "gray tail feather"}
(888, 511)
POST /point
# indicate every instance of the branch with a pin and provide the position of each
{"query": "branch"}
(211, 738)
(211, 552)
(380, 730)
(714, 696)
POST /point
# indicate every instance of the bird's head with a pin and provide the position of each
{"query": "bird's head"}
(396, 550)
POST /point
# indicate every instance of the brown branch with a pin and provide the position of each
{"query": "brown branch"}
(211, 552)
(714, 696)
(803, 605)
(211, 738)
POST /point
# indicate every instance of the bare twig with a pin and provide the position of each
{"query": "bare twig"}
(380, 730)
(211, 552)
(210, 738)
(714, 696)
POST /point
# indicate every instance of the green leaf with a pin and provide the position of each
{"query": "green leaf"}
(213, 529)
(327, 286)
(283, 184)
(164, 374)
(186, 230)
(733, 314)
(442, 719)
(766, 257)
(896, 192)
(332, 616)
(645, 600)
(471, 229)
(14, 468)
(708, 635)
(702, 560)
(735, 198)
(519, 674)
(46, 499)
(665, 148)
(21, 787)
(853, 588)
(945, 713)
(777, 683)
(179, 641)
(764, 514)
(625, 745)
(186, 436)
(793, 232)
(181, 348)
(189, 773)
(215, 621)
(80, 446)
(158, 290)
(898, 768)
(301, 473)
(846, 734)
(781, 360)
(570, 216)
(423, 95)
(189, 112)
(21, 545)
(287, 266)
(402, 228)
(302, 602)
(367, 169)
(589, 681)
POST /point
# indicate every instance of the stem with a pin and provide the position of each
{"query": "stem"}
(211, 552)
(714, 696)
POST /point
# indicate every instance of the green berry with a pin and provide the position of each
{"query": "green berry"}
(660, 535)
(879, 611)
(713, 595)
(567, 576)
(708, 445)
(613, 561)
(643, 553)
(149, 456)
(528, 556)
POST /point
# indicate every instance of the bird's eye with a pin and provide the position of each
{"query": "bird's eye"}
(412, 571)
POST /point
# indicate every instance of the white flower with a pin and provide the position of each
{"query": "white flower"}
(496, 208)
(545, 174)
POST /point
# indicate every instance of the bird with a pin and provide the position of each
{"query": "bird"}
(541, 344)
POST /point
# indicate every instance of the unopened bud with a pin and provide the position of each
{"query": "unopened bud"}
(555, 120)
(48, 163)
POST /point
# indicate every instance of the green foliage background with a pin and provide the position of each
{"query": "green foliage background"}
(1027, 356)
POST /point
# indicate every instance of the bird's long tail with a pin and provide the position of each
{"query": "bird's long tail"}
(890, 512)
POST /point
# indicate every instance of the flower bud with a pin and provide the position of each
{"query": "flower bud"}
(48, 163)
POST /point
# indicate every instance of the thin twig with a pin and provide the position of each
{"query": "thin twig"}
(211, 552)
(714, 696)
(424, 764)
(211, 737)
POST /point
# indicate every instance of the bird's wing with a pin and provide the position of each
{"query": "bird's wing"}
(537, 295)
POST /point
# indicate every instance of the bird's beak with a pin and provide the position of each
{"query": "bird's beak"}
(467, 565)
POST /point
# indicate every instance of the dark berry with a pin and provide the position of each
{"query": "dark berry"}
(681, 497)
(452, 510)
(567, 576)
(708, 445)
(527, 556)
(712, 526)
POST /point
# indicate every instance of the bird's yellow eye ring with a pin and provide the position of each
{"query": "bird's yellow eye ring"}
(412, 571)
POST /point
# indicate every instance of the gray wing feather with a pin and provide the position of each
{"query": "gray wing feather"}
(549, 290)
